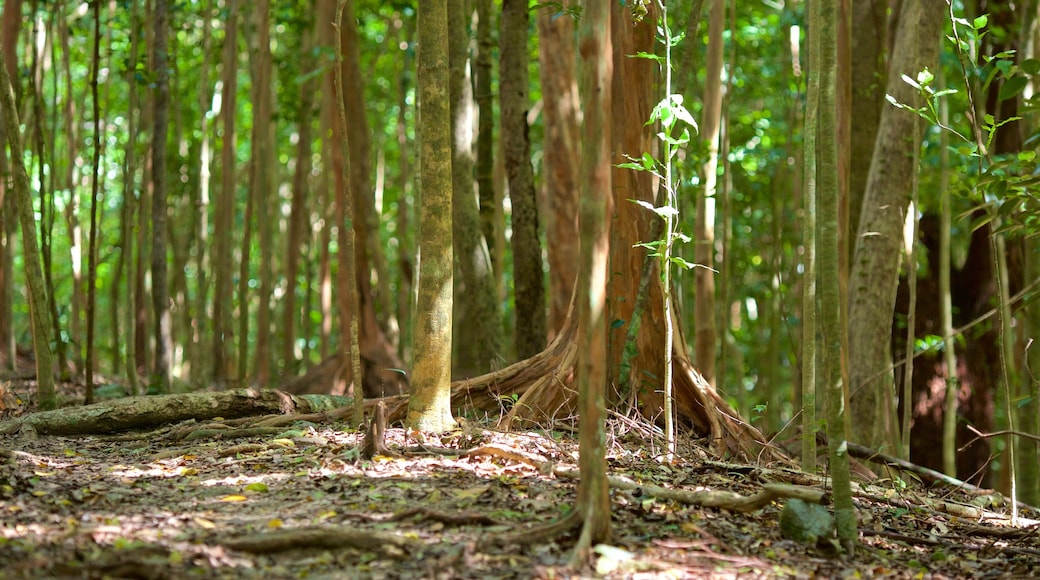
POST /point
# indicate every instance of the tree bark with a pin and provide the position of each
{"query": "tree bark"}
(262, 182)
(41, 323)
(160, 288)
(705, 335)
(12, 19)
(593, 268)
(528, 274)
(224, 213)
(875, 268)
(429, 407)
(478, 330)
(561, 111)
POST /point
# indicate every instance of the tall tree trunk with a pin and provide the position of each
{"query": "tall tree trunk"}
(38, 310)
(429, 408)
(528, 274)
(262, 165)
(828, 278)
(875, 268)
(126, 262)
(224, 213)
(374, 282)
(198, 341)
(94, 194)
(478, 331)
(9, 30)
(160, 289)
(705, 335)
(485, 162)
(870, 39)
(298, 209)
(405, 240)
(593, 268)
(557, 75)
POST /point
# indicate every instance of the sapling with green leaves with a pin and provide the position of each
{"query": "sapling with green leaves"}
(675, 123)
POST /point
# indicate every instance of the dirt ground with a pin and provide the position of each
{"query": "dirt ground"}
(302, 505)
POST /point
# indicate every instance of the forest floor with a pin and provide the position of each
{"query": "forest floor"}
(302, 505)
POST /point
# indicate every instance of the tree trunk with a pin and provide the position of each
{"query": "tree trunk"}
(528, 274)
(705, 339)
(41, 323)
(12, 19)
(374, 280)
(262, 165)
(595, 208)
(823, 22)
(484, 171)
(160, 289)
(557, 74)
(429, 407)
(224, 213)
(875, 269)
(869, 37)
(291, 315)
(478, 329)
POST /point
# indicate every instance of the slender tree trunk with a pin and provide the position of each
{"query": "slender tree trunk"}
(94, 219)
(12, 19)
(557, 73)
(827, 248)
(528, 274)
(429, 408)
(262, 166)
(224, 213)
(350, 310)
(478, 332)
(371, 259)
(484, 170)
(160, 289)
(200, 335)
(38, 310)
(705, 335)
(593, 268)
(870, 39)
(298, 211)
(405, 240)
(875, 269)
(810, 358)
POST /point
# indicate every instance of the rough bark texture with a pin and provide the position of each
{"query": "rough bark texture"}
(875, 267)
(528, 274)
(429, 406)
(561, 113)
(478, 328)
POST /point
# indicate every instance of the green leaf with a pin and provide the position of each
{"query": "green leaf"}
(678, 261)
(943, 93)
(910, 81)
(1012, 87)
(1030, 66)
(980, 22)
(617, 323)
(925, 77)
(631, 165)
(647, 56)
(649, 163)
(1026, 156)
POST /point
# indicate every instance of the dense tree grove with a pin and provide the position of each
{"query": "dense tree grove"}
(189, 203)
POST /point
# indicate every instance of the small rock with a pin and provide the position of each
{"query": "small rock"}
(805, 522)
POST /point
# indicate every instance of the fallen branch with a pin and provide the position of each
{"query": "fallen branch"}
(325, 537)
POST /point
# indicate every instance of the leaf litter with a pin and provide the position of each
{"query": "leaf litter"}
(301, 504)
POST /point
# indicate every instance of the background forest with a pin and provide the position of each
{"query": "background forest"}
(191, 199)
